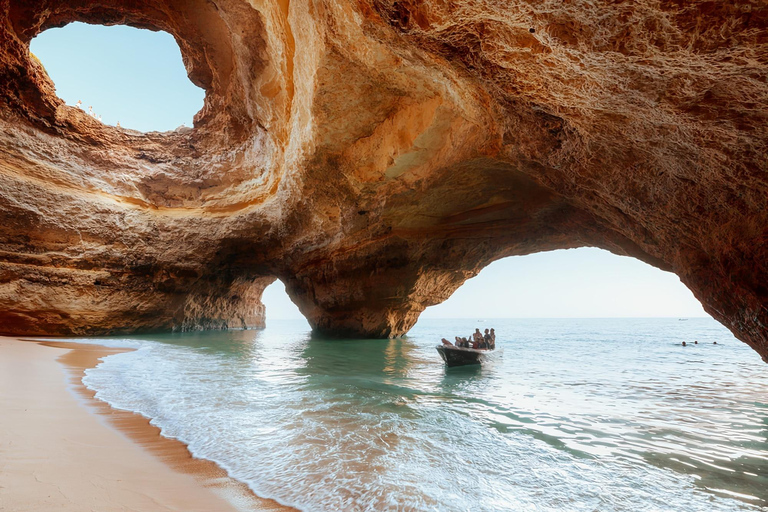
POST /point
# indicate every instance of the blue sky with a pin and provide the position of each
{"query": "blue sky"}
(129, 75)
(137, 77)
(574, 283)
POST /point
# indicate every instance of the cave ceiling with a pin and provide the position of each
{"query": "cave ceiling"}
(375, 154)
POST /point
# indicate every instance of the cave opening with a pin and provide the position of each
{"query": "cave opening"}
(572, 283)
(127, 77)
(279, 306)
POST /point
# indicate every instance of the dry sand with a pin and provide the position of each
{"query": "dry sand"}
(63, 450)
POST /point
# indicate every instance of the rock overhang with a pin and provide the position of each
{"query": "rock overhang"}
(376, 154)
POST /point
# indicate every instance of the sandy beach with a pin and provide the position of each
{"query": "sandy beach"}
(62, 449)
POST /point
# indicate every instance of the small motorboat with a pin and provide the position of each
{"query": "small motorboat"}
(459, 356)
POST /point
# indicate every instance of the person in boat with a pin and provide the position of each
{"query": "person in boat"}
(477, 337)
(446, 342)
(493, 339)
(487, 339)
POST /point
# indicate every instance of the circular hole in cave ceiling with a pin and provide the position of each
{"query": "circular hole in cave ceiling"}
(132, 76)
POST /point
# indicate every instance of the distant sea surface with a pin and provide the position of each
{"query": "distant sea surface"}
(569, 415)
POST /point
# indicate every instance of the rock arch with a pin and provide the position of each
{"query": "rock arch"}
(374, 154)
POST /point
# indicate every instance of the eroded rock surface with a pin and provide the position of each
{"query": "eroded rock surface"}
(375, 154)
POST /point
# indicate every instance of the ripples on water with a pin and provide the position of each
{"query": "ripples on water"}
(571, 415)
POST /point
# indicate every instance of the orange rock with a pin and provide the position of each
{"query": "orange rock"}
(374, 154)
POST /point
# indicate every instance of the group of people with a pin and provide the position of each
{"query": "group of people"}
(90, 112)
(476, 340)
(697, 342)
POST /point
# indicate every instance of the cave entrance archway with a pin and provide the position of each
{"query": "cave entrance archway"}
(129, 76)
(573, 283)
(279, 305)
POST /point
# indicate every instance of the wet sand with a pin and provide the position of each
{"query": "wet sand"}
(62, 449)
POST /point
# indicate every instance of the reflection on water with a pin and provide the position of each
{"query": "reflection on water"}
(572, 415)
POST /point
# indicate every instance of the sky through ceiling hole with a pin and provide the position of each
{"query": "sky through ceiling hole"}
(129, 76)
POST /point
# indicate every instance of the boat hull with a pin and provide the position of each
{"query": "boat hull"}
(455, 356)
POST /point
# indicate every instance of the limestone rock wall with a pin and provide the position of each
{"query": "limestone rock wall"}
(375, 154)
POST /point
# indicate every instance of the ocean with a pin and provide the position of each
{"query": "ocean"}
(568, 415)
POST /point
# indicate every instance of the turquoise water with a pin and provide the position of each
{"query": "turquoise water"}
(597, 414)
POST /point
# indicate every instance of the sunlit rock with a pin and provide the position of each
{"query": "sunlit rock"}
(375, 154)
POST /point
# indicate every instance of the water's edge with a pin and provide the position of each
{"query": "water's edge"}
(143, 431)
(357, 425)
